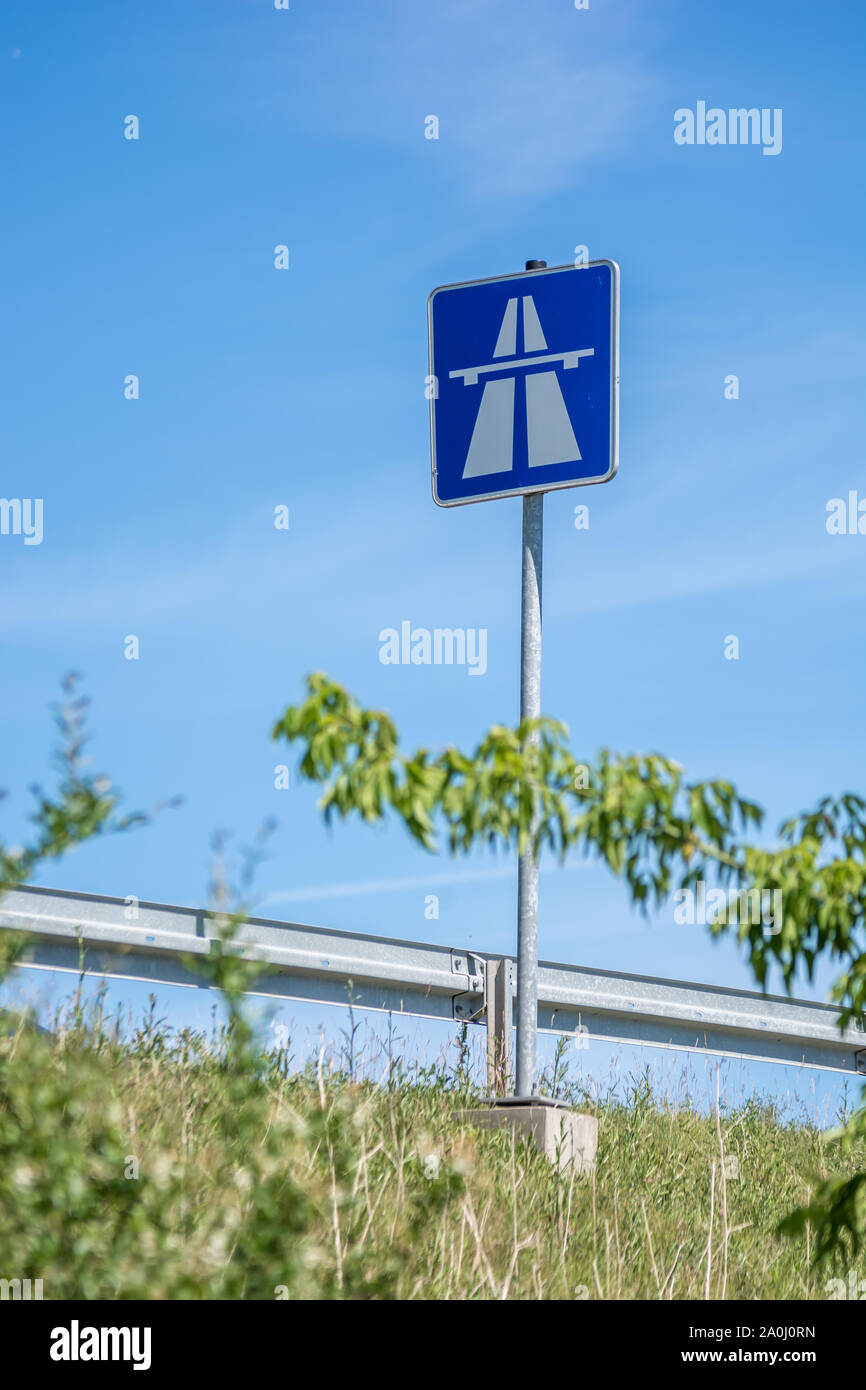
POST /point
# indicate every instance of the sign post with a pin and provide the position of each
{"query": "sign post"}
(527, 867)
(524, 399)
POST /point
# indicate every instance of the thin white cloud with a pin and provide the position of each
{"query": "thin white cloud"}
(532, 134)
(388, 885)
(433, 879)
(525, 94)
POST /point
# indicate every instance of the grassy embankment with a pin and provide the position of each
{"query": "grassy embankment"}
(152, 1168)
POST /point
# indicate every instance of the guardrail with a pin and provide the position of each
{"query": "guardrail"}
(125, 939)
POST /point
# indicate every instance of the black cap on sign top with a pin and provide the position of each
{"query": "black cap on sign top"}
(536, 265)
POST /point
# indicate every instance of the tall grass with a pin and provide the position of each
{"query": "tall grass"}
(140, 1163)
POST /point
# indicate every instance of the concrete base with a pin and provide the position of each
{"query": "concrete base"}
(564, 1136)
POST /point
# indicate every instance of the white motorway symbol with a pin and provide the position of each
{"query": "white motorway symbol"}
(549, 435)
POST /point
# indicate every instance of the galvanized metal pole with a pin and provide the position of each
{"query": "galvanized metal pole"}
(527, 869)
(530, 708)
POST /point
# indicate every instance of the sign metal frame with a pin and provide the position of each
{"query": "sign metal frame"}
(614, 384)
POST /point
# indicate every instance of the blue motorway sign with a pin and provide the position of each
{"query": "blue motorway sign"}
(524, 382)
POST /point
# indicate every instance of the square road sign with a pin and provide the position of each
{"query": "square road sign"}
(524, 395)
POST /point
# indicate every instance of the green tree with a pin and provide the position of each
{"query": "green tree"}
(82, 806)
(655, 830)
(242, 1218)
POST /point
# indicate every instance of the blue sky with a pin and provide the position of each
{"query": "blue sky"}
(306, 387)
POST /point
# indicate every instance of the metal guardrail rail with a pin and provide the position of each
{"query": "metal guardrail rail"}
(75, 931)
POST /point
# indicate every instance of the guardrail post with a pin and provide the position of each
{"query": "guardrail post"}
(498, 1007)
